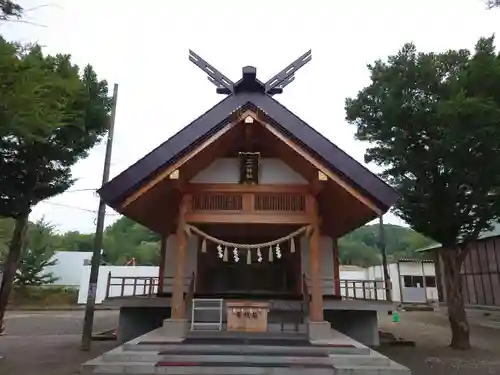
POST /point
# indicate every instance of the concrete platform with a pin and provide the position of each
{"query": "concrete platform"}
(157, 353)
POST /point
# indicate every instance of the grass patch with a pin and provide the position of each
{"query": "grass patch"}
(42, 296)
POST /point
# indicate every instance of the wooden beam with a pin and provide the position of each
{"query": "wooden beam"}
(243, 188)
(316, 311)
(167, 171)
(224, 217)
(336, 266)
(178, 308)
(163, 256)
(334, 177)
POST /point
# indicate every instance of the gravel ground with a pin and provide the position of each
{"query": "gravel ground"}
(431, 334)
(49, 343)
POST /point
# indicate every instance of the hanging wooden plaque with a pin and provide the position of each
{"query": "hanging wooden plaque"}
(249, 167)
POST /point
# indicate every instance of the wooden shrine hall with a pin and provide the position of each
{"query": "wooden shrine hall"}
(250, 201)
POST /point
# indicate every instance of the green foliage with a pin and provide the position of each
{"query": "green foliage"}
(126, 239)
(37, 254)
(123, 240)
(36, 297)
(6, 229)
(53, 119)
(433, 123)
(362, 246)
(74, 241)
(490, 4)
(50, 117)
(9, 9)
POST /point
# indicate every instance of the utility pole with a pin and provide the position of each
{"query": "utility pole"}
(387, 279)
(88, 321)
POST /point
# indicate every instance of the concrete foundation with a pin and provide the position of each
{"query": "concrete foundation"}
(318, 331)
(175, 328)
(361, 325)
(137, 321)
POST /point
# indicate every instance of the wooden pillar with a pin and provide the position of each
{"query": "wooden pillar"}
(316, 310)
(163, 257)
(336, 267)
(178, 308)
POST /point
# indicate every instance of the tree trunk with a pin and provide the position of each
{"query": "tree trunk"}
(12, 263)
(457, 316)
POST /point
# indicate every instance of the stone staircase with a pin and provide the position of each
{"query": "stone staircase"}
(227, 353)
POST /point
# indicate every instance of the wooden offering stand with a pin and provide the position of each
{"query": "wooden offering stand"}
(246, 316)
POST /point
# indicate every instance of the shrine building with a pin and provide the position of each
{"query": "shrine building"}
(250, 202)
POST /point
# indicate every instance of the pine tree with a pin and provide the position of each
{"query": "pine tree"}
(37, 254)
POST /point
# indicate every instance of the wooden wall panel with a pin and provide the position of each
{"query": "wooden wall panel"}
(481, 273)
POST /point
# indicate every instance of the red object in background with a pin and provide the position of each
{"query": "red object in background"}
(130, 262)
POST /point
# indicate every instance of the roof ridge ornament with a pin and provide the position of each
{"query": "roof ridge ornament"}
(249, 81)
(277, 83)
(224, 85)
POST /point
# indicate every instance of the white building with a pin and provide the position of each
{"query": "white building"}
(412, 280)
(68, 267)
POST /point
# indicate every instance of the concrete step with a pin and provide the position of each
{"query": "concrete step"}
(393, 369)
(244, 349)
(243, 368)
(336, 360)
(236, 359)
(374, 359)
(151, 369)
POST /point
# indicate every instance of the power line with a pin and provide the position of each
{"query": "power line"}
(77, 208)
(78, 190)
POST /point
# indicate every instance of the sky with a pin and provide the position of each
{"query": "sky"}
(143, 46)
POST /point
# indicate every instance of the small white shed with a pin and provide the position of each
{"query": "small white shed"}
(413, 280)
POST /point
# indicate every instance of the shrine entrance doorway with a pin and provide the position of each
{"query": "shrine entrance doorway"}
(275, 275)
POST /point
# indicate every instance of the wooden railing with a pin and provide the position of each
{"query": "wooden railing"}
(136, 286)
(363, 289)
(352, 289)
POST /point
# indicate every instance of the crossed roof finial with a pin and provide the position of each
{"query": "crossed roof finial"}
(249, 81)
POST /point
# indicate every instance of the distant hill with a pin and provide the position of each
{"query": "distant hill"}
(361, 247)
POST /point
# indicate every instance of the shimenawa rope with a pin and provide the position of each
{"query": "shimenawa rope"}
(192, 229)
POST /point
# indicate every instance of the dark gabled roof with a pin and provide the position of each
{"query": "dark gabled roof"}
(278, 116)
(487, 234)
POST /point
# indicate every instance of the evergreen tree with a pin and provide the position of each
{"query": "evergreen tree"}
(433, 124)
(38, 253)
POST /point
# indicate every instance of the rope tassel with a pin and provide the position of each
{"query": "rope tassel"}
(249, 257)
(292, 245)
(204, 246)
(270, 254)
(224, 258)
